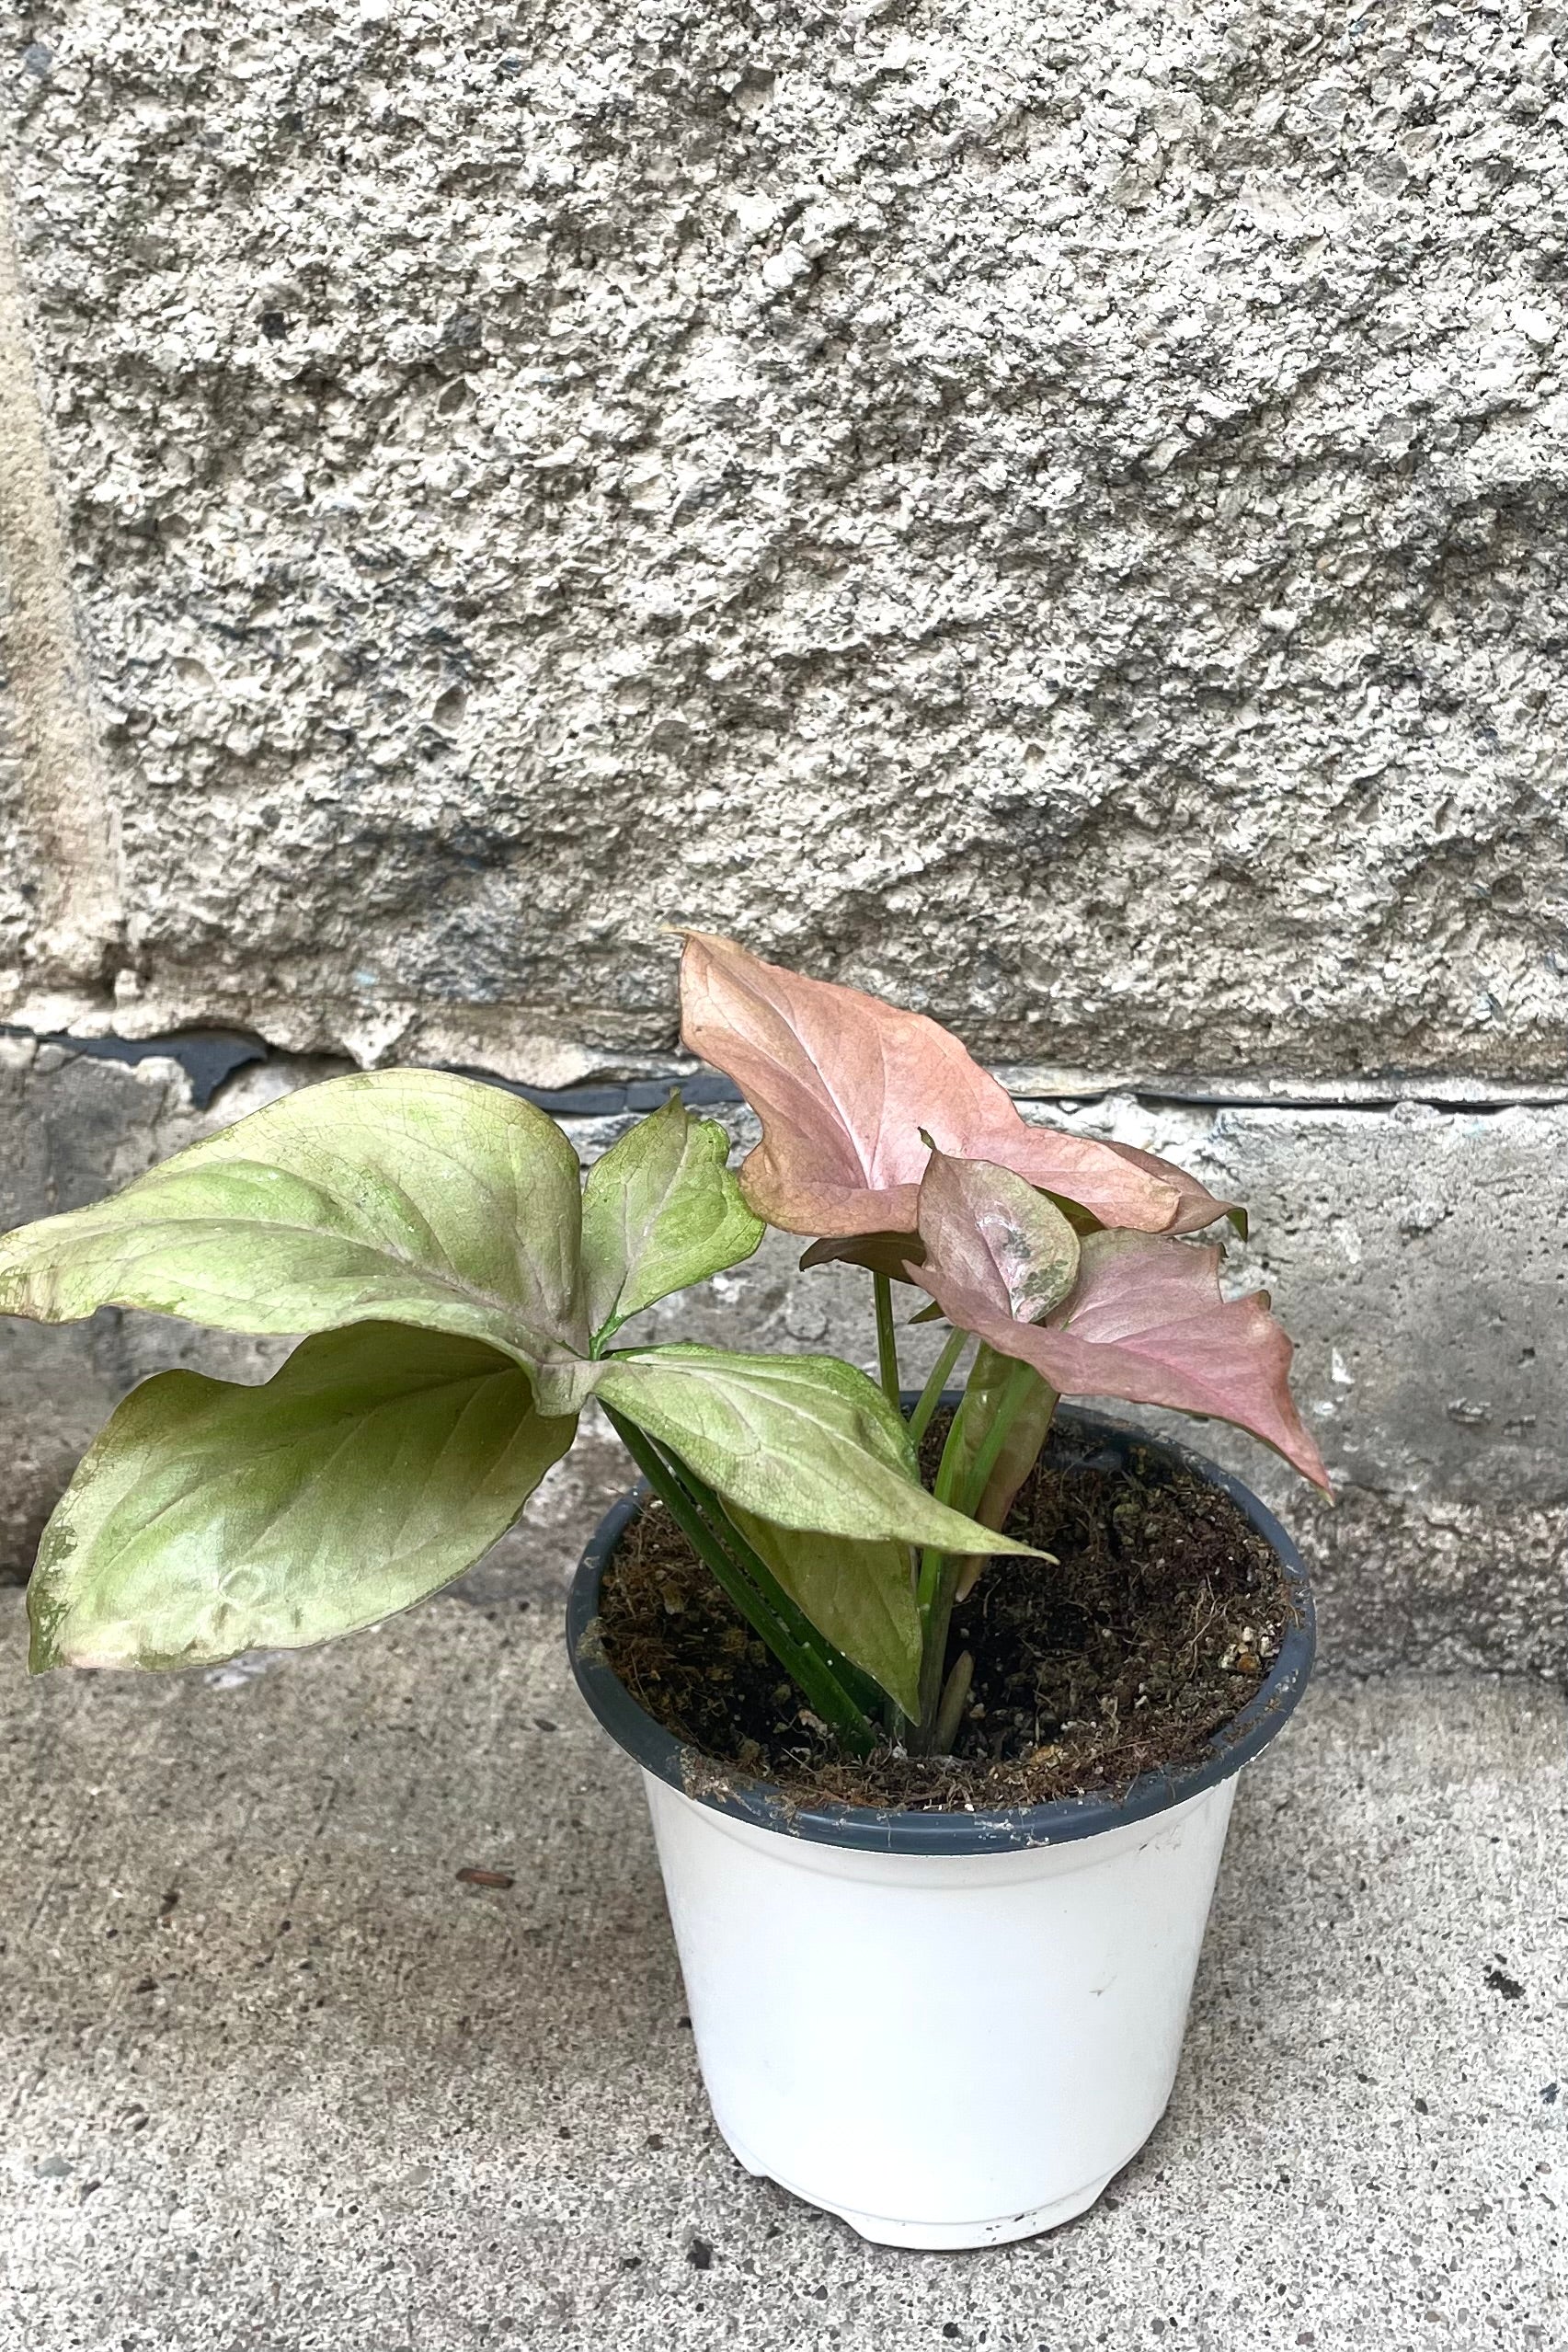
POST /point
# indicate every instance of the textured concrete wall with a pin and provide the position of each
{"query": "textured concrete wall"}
(1059, 512)
(1056, 513)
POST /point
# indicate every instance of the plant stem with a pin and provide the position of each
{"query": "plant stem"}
(931, 1395)
(803, 1663)
(954, 1698)
(886, 1340)
(947, 1469)
(933, 1563)
(934, 1586)
(863, 1692)
(1019, 1386)
(940, 1574)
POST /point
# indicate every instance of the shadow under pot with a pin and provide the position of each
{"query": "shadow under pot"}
(950, 2028)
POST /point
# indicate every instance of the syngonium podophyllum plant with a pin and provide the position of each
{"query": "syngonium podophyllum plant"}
(1066, 1260)
(464, 1295)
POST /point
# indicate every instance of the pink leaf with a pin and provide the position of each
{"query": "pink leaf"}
(1147, 1323)
(843, 1084)
(998, 1239)
(1198, 1206)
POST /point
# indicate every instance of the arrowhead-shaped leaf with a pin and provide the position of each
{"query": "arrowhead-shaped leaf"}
(843, 1084)
(860, 1595)
(374, 1467)
(1147, 1323)
(405, 1196)
(804, 1440)
(994, 1234)
(660, 1209)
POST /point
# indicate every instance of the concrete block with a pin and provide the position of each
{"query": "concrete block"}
(60, 909)
(1058, 520)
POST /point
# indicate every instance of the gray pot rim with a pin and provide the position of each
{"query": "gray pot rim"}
(877, 1829)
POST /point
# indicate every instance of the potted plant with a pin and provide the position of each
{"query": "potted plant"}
(947, 2015)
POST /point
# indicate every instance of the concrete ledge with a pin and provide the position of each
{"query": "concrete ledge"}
(279, 2079)
(1416, 1255)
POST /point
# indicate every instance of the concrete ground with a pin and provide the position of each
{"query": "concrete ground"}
(277, 2080)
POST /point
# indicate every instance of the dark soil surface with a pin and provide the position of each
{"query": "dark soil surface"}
(1161, 1615)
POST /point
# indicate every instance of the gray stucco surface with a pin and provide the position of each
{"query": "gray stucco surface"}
(19, 874)
(277, 2080)
(1056, 513)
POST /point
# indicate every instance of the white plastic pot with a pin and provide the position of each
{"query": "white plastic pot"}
(950, 2029)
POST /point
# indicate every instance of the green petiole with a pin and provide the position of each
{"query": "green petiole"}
(931, 1395)
(886, 1340)
(736, 1568)
(1020, 1383)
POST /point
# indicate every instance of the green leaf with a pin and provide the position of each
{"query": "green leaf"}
(991, 1377)
(802, 1441)
(403, 1196)
(860, 1596)
(374, 1467)
(660, 1209)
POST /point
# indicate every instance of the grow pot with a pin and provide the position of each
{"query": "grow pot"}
(950, 2029)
